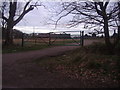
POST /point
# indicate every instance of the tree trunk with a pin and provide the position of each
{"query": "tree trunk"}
(106, 32)
(11, 21)
(118, 38)
(118, 33)
(9, 35)
(107, 36)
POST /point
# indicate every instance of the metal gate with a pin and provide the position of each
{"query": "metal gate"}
(69, 38)
(60, 38)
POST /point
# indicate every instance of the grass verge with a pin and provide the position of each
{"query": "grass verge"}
(17, 48)
(86, 63)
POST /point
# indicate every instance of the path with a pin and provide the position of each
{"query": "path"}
(30, 55)
(19, 72)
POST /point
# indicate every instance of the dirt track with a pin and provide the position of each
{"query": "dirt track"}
(19, 72)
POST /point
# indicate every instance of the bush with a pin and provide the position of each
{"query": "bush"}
(98, 48)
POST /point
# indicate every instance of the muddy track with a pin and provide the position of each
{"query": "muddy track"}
(19, 72)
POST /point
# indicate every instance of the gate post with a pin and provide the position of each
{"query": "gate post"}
(82, 39)
(49, 39)
(22, 39)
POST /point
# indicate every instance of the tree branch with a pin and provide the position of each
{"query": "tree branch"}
(90, 16)
(26, 5)
(3, 17)
(62, 17)
(23, 14)
(106, 3)
(98, 11)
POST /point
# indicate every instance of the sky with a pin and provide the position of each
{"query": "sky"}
(39, 20)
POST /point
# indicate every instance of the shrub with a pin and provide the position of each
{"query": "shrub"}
(98, 48)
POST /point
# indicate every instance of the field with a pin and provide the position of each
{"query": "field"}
(47, 41)
(37, 44)
(53, 41)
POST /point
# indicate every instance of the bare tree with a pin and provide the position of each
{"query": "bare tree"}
(92, 14)
(10, 18)
(118, 38)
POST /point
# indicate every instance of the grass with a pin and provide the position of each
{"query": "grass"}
(17, 48)
(31, 45)
(85, 62)
(82, 60)
(61, 42)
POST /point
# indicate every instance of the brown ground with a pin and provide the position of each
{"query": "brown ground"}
(19, 72)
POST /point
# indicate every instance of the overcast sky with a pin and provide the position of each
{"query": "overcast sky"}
(39, 20)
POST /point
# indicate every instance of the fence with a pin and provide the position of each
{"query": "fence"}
(69, 38)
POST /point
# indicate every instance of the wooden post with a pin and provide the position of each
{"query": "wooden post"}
(49, 39)
(35, 38)
(82, 39)
(114, 36)
(22, 39)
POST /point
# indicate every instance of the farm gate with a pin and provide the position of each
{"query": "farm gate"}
(61, 38)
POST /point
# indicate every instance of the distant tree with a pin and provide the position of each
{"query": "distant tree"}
(16, 34)
(86, 35)
(93, 35)
(13, 13)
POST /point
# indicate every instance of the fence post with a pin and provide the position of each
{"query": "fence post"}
(49, 39)
(22, 39)
(82, 39)
(35, 39)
